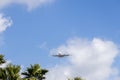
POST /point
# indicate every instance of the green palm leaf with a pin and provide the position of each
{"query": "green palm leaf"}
(35, 71)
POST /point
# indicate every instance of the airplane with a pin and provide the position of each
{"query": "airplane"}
(60, 55)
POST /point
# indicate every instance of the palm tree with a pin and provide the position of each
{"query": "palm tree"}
(2, 71)
(29, 79)
(35, 72)
(3, 74)
(2, 60)
(11, 72)
(78, 78)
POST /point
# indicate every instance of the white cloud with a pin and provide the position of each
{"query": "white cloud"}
(31, 4)
(43, 46)
(91, 59)
(5, 64)
(4, 23)
(4, 3)
(117, 78)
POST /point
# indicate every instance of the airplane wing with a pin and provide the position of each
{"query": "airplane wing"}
(60, 55)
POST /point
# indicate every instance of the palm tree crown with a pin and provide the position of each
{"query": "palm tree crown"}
(11, 72)
(35, 71)
(2, 60)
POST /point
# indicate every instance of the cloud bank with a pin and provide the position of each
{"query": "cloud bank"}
(31, 4)
(4, 23)
(90, 59)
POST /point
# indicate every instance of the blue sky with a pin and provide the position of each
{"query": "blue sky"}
(35, 32)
